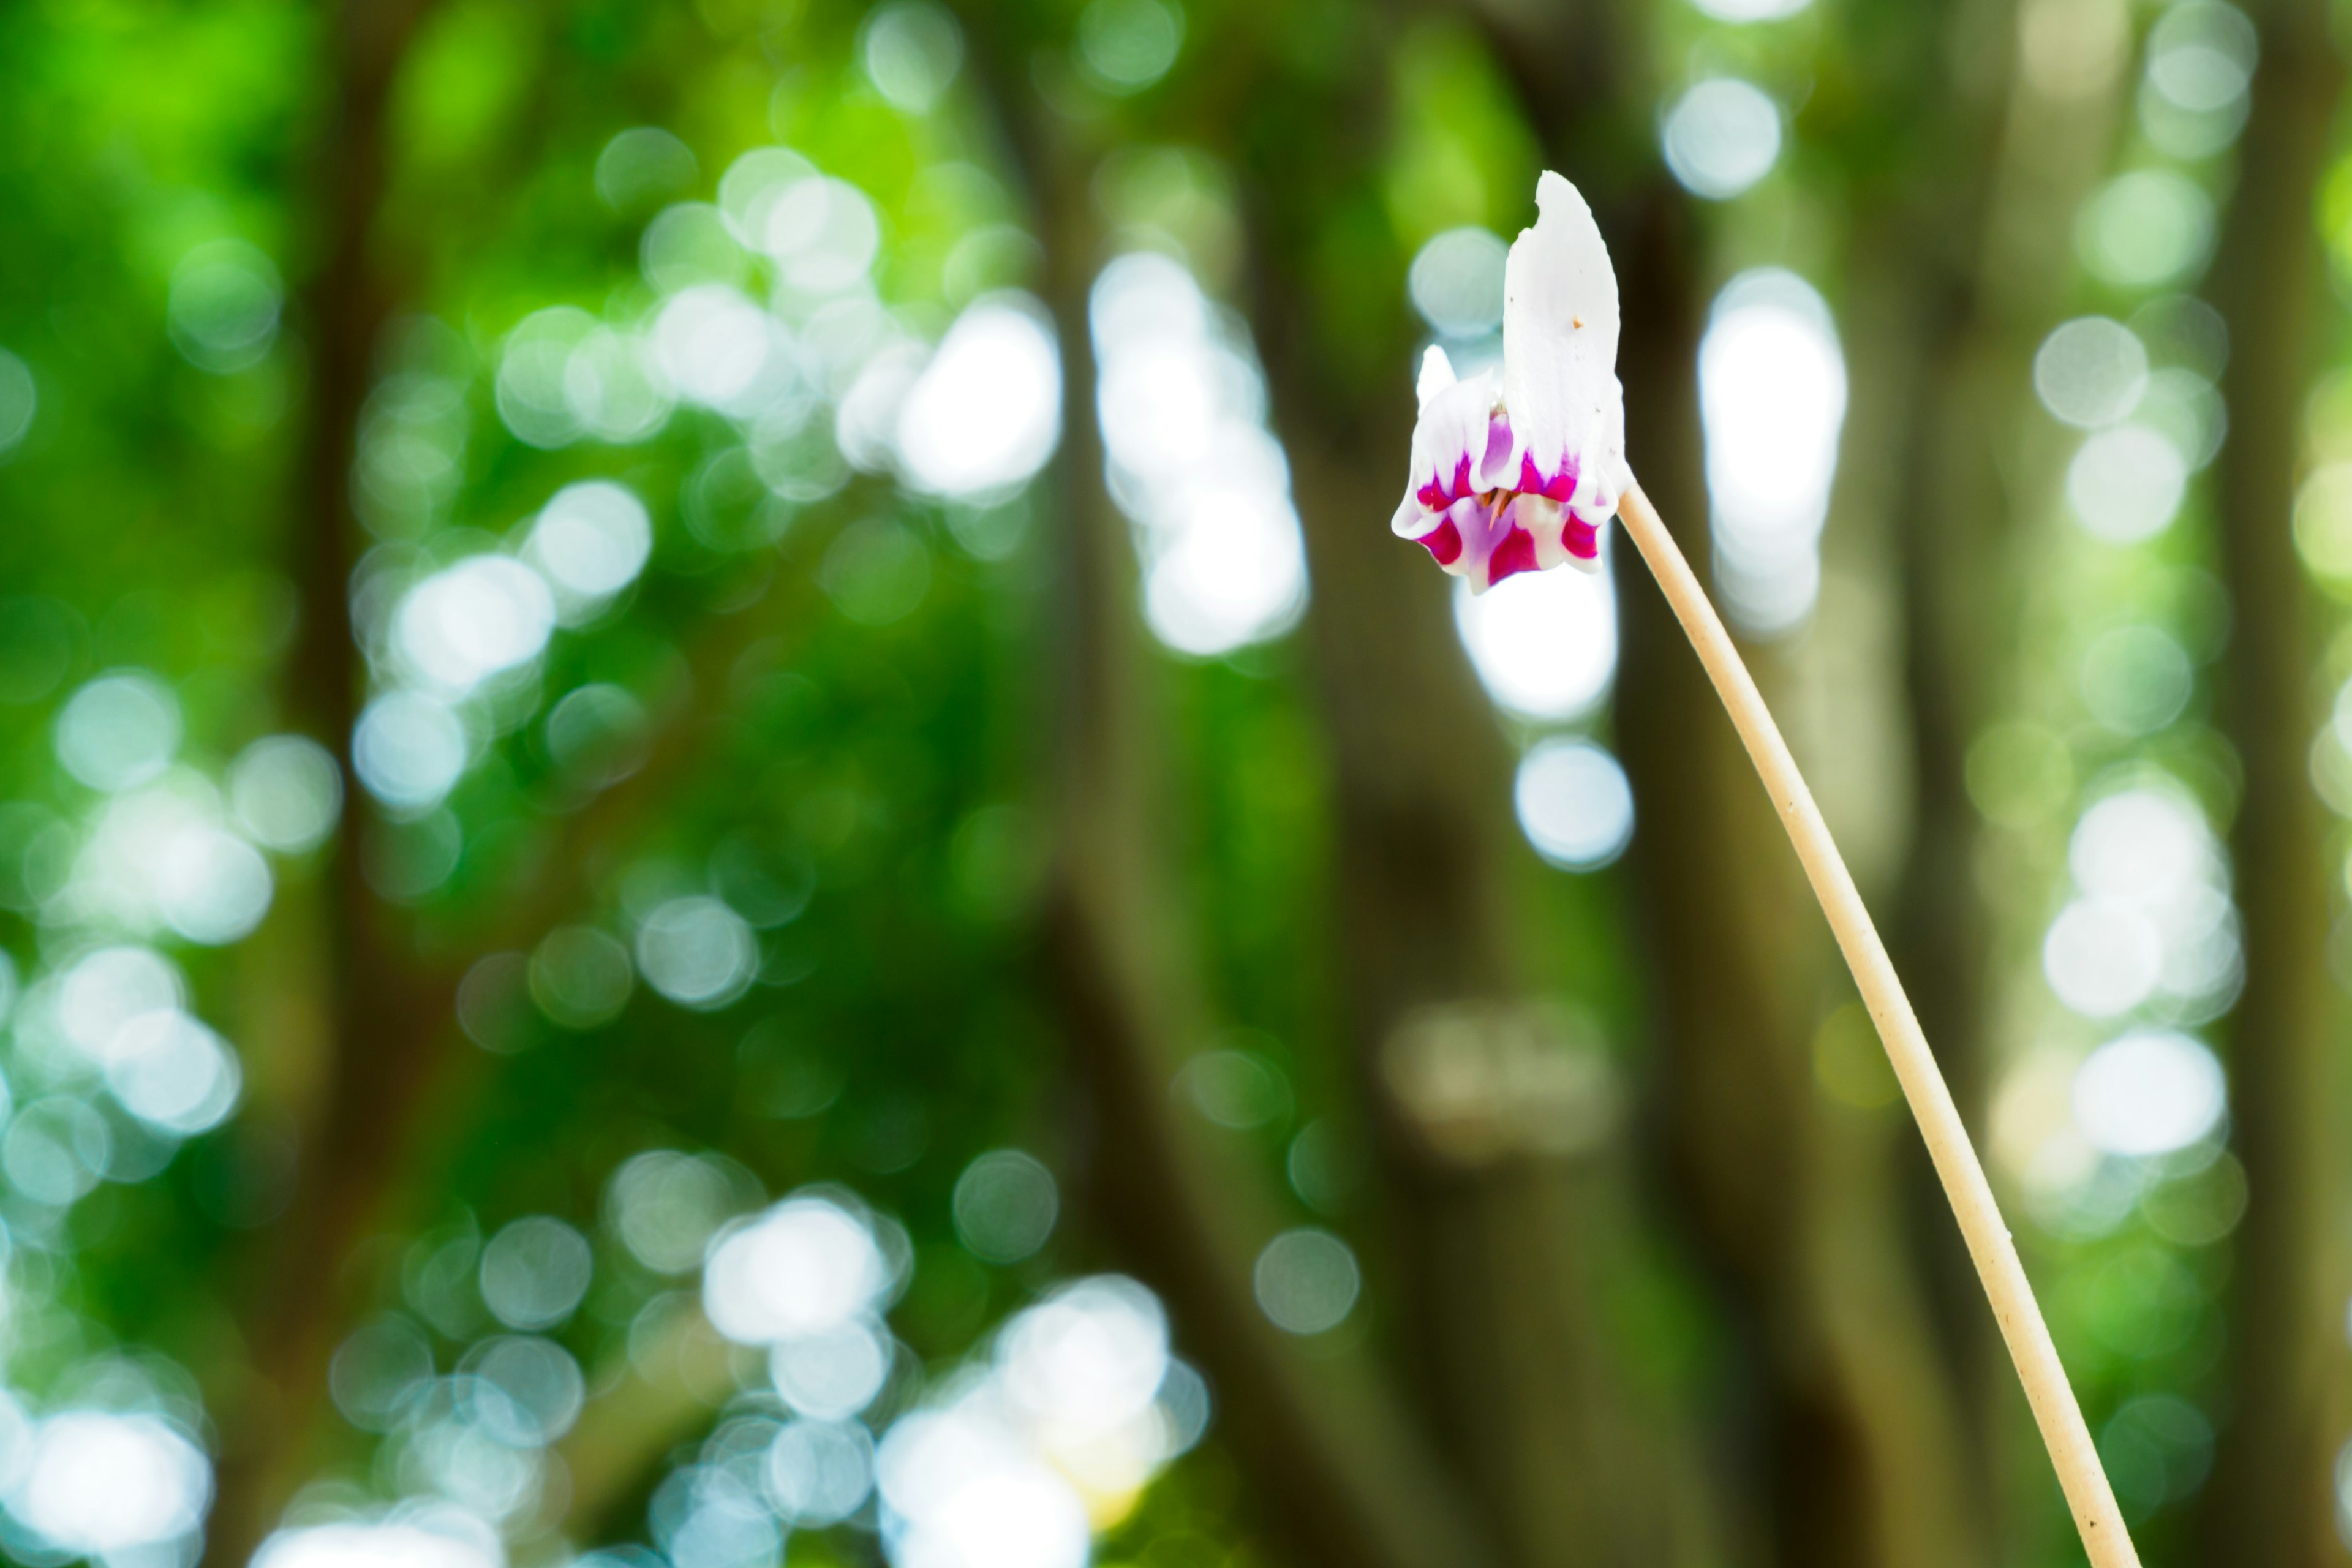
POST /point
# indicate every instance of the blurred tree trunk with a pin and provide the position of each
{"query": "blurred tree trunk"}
(1338, 1467)
(1793, 1199)
(2272, 1500)
(1957, 269)
(338, 1104)
(1493, 1121)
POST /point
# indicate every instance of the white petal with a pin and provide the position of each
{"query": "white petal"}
(1436, 374)
(1560, 351)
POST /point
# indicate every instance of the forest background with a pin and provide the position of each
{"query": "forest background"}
(729, 836)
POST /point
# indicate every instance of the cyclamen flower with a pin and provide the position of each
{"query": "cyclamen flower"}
(1518, 469)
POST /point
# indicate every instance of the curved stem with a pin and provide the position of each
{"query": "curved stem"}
(2088, 1496)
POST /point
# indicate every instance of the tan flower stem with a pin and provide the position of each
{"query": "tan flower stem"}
(2076, 1458)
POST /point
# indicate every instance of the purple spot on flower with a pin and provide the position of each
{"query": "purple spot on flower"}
(1582, 540)
(1444, 541)
(1498, 444)
(1514, 554)
(1557, 487)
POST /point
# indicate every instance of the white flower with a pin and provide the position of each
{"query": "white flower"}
(1519, 471)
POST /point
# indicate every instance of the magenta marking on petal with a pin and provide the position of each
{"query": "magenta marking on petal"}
(1582, 540)
(1498, 442)
(1557, 487)
(1445, 542)
(1515, 553)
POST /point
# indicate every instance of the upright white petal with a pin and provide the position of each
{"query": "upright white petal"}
(1560, 356)
(1436, 374)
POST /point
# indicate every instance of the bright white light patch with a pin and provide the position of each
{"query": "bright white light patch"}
(482, 617)
(2147, 1094)
(173, 1073)
(591, 541)
(986, 412)
(2101, 957)
(1721, 137)
(1545, 643)
(1772, 396)
(2125, 484)
(712, 342)
(1190, 460)
(1090, 1357)
(1574, 803)
(806, 1267)
(818, 1473)
(437, 1537)
(831, 1376)
(101, 1483)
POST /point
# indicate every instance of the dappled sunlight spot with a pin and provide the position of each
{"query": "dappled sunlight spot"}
(533, 388)
(819, 1472)
(2149, 1093)
(1306, 1281)
(377, 1369)
(2136, 680)
(1124, 46)
(1772, 398)
(642, 164)
(431, 1535)
(1005, 1206)
(119, 732)
(1191, 462)
(527, 1391)
(409, 750)
(985, 413)
(1240, 1089)
(534, 1272)
(807, 1267)
(581, 976)
(1545, 643)
(832, 1374)
(2101, 957)
(823, 233)
(287, 792)
(163, 857)
(467, 622)
(714, 346)
(172, 1072)
(2125, 484)
(912, 51)
(94, 1482)
(616, 388)
(2200, 65)
(1721, 137)
(712, 1516)
(2146, 229)
(20, 399)
(1574, 803)
(691, 243)
(590, 542)
(1457, 281)
(224, 308)
(697, 952)
(664, 1206)
(2154, 919)
(2091, 371)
